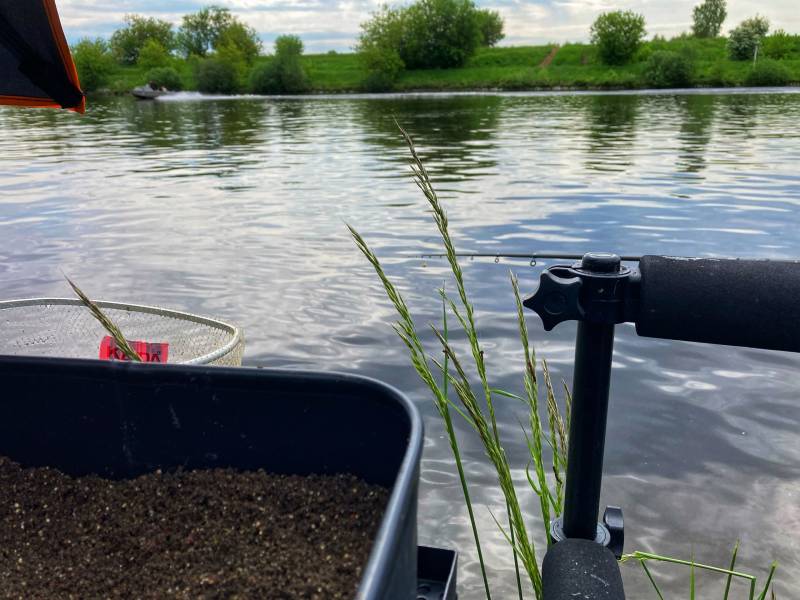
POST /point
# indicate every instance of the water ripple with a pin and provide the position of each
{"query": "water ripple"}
(235, 208)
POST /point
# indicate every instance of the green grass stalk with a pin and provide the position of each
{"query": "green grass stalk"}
(767, 585)
(522, 544)
(643, 557)
(457, 453)
(478, 410)
(423, 181)
(558, 436)
(534, 440)
(730, 568)
(652, 580)
(106, 322)
(407, 332)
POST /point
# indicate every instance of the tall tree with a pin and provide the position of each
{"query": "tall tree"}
(617, 35)
(708, 18)
(490, 24)
(215, 28)
(242, 37)
(439, 34)
(127, 42)
(743, 41)
(200, 31)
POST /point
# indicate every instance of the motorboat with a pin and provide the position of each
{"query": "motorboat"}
(147, 92)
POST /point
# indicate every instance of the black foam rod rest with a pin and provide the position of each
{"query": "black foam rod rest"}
(754, 303)
(578, 568)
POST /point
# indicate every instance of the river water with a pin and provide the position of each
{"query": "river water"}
(235, 208)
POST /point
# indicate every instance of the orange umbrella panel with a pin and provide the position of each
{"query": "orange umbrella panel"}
(36, 68)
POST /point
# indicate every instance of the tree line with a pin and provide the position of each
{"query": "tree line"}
(221, 50)
(618, 36)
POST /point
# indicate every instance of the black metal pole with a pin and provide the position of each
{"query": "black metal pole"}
(594, 346)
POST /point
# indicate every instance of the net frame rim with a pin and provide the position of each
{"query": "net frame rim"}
(230, 346)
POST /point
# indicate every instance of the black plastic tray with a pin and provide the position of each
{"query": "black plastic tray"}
(120, 420)
(436, 573)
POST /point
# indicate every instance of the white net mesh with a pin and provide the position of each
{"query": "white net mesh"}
(64, 327)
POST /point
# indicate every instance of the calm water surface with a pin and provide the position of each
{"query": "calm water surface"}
(236, 209)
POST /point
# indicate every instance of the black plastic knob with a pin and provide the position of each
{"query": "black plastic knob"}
(556, 299)
(600, 262)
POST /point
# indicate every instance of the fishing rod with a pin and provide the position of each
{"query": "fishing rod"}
(532, 256)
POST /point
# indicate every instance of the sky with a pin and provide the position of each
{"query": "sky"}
(334, 24)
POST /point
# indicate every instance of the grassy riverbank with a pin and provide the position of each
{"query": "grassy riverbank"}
(515, 68)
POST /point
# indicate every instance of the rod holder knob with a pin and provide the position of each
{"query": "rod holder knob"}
(557, 299)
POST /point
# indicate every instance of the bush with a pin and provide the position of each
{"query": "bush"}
(768, 72)
(439, 34)
(708, 18)
(288, 49)
(781, 45)
(744, 39)
(94, 62)
(165, 77)
(665, 69)
(429, 34)
(617, 35)
(283, 74)
(287, 46)
(265, 78)
(215, 76)
(235, 59)
(128, 42)
(384, 29)
(153, 55)
(384, 66)
(293, 77)
(490, 24)
(379, 49)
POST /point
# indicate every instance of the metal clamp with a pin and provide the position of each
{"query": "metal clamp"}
(599, 289)
(610, 533)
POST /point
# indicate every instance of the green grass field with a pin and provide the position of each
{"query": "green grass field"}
(574, 66)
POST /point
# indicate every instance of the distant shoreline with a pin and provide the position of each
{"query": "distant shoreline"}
(568, 68)
(793, 88)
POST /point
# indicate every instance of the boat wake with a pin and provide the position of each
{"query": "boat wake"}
(197, 96)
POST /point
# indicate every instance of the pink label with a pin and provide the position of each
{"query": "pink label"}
(151, 352)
